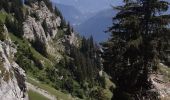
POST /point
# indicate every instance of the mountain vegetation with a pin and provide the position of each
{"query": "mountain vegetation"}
(139, 37)
(75, 65)
(42, 57)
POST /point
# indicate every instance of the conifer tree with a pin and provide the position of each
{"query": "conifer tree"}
(57, 12)
(1, 26)
(68, 31)
(131, 53)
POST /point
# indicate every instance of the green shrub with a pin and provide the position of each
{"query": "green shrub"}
(34, 15)
(98, 94)
(35, 96)
(2, 36)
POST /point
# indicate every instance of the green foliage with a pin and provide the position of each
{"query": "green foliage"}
(12, 6)
(60, 34)
(76, 73)
(29, 60)
(40, 47)
(63, 22)
(119, 95)
(2, 36)
(13, 17)
(58, 94)
(34, 15)
(45, 27)
(84, 66)
(132, 52)
(27, 57)
(99, 94)
(57, 12)
(35, 96)
(69, 29)
(13, 26)
(102, 81)
(3, 16)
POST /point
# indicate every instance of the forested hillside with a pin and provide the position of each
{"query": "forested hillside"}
(43, 58)
(52, 56)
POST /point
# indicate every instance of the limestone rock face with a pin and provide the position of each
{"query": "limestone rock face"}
(73, 39)
(52, 21)
(33, 28)
(35, 31)
(41, 28)
(12, 77)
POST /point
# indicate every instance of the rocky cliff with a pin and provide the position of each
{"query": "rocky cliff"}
(50, 53)
(41, 27)
(12, 77)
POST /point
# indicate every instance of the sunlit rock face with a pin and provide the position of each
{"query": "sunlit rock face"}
(41, 28)
(12, 76)
(33, 27)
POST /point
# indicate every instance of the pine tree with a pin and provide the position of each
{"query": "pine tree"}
(1, 27)
(68, 31)
(57, 12)
(130, 55)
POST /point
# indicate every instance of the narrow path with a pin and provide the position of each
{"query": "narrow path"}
(40, 91)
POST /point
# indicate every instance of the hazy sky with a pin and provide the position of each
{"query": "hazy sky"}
(89, 5)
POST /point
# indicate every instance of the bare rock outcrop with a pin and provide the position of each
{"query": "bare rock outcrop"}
(12, 77)
(73, 39)
(43, 28)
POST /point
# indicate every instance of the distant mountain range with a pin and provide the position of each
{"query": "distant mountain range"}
(96, 25)
(86, 6)
(87, 18)
(71, 14)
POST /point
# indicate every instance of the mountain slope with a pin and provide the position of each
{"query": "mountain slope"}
(12, 76)
(49, 51)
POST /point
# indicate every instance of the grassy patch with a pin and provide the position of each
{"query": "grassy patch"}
(107, 93)
(36, 96)
(3, 16)
(36, 55)
(59, 35)
(166, 73)
(58, 94)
